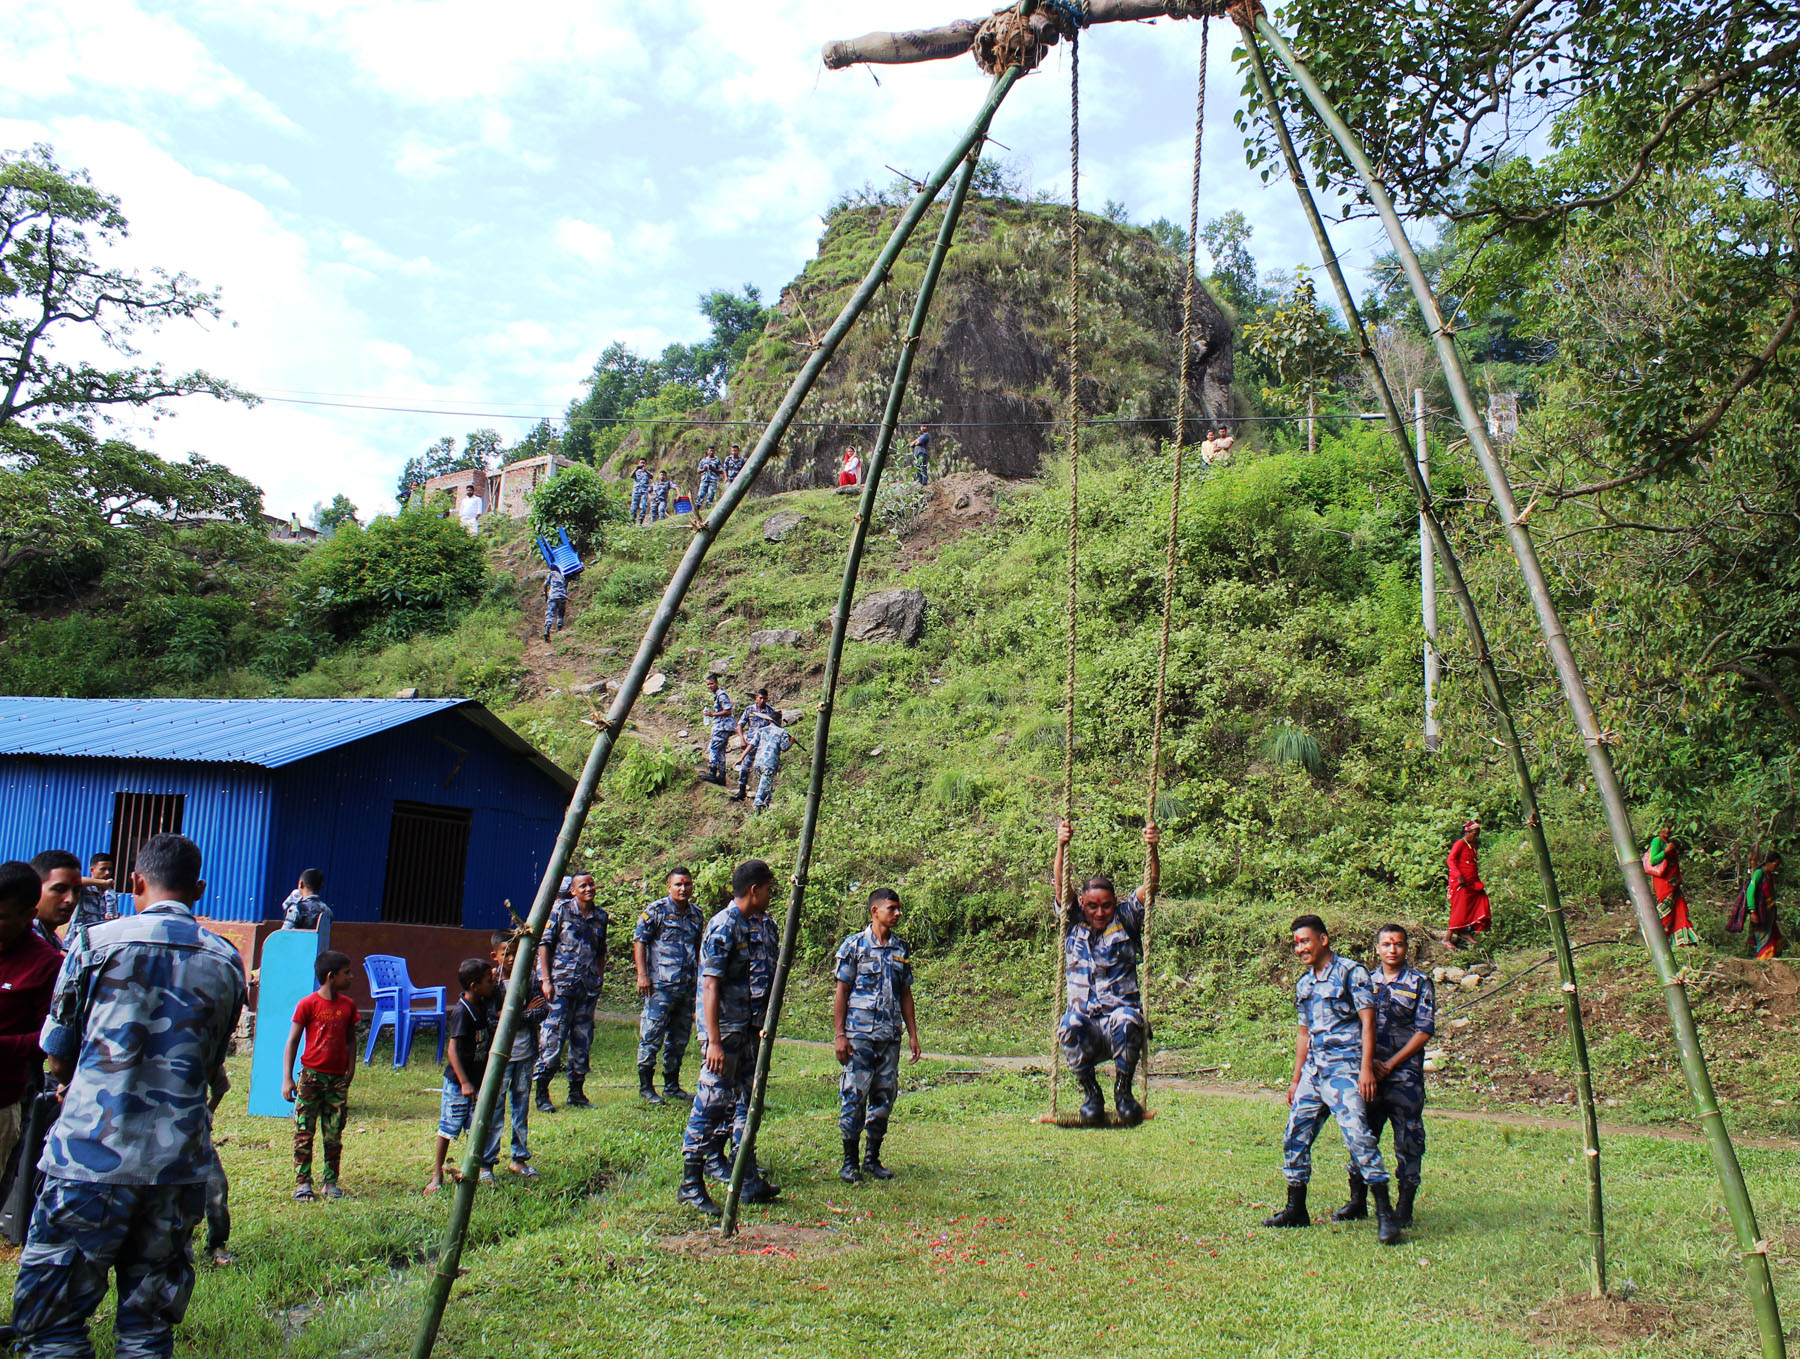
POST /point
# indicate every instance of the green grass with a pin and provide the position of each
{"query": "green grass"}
(1001, 1236)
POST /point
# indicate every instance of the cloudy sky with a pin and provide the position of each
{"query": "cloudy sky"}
(452, 205)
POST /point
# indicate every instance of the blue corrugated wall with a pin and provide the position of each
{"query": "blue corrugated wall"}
(260, 827)
(332, 812)
(61, 802)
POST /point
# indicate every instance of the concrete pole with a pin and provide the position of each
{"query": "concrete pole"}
(1427, 579)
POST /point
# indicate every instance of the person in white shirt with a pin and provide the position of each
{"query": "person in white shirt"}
(471, 510)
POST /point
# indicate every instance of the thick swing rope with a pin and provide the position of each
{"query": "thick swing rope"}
(1072, 412)
(1168, 600)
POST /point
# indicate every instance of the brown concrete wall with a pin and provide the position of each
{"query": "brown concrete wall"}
(432, 952)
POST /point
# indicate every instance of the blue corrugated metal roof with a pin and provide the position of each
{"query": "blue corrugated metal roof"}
(267, 732)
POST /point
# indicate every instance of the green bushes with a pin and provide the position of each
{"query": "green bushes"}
(401, 575)
(577, 499)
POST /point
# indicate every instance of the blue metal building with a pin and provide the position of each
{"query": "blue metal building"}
(419, 811)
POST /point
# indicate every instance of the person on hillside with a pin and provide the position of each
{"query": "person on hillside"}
(710, 470)
(722, 717)
(521, 1061)
(305, 909)
(850, 474)
(640, 492)
(665, 948)
(872, 1001)
(556, 600)
(771, 740)
(60, 872)
(659, 496)
(1405, 1019)
(1223, 442)
(1102, 945)
(1757, 909)
(1207, 448)
(471, 510)
(127, 1162)
(1662, 861)
(97, 902)
(1334, 1075)
(28, 968)
(757, 716)
(734, 463)
(571, 973)
(921, 449)
(326, 1022)
(1470, 912)
(726, 1024)
(470, 1030)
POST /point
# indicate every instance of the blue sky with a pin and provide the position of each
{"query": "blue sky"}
(454, 205)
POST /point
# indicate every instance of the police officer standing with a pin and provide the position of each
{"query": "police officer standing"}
(872, 1000)
(765, 952)
(571, 971)
(1405, 1018)
(139, 1027)
(666, 948)
(640, 492)
(1103, 942)
(727, 1027)
(1334, 1075)
(710, 469)
(734, 463)
(723, 717)
(757, 716)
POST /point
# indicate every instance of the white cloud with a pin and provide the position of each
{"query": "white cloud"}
(587, 242)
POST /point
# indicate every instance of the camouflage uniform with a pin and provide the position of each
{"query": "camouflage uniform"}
(302, 911)
(576, 944)
(1404, 1006)
(144, 1010)
(95, 906)
(1104, 1021)
(556, 601)
(765, 951)
(659, 499)
(322, 1099)
(723, 716)
(670, 935)
(879, 977)
(727, 948)
(640, 494)
(771, 740)
(1329, 1007)
(754, 719)
(921, 448)
(734, 463)
(710, 468)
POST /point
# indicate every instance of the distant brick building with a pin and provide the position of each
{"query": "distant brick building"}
(505, 489)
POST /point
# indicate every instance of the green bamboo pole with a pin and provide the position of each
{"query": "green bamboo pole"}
(840, 620)
(1751, 1246)
(705, 533)
(1490, 677)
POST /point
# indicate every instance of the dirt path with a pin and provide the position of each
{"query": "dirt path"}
(1215, 1090)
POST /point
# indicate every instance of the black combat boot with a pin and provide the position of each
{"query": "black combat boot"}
(718, 1164)
(693, 1187)
(672, 1084)
(576, 1099)
(743, 787)
(646, 1090)
(1093, 1105)
(871, 1163)
(848, 1172)
(757, 1188)
(542, 1103)
(1295, 1214)
(1387, 1225)
(1358, 1207)
(1403, 1209)
(1131, 1113)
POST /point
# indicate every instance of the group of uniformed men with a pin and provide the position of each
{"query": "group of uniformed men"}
(650, 493)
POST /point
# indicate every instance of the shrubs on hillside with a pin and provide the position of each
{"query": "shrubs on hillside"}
(576, 499)
(401, 575)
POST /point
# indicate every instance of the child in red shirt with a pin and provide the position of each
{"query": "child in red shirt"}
(327, 1020)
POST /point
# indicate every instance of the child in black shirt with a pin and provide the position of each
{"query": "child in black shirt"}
(470, 1029)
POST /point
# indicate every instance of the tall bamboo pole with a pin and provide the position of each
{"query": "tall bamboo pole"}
(705, 533)
(1435, 537)
(1751, 1246)
(840, 622)
(1427, 578)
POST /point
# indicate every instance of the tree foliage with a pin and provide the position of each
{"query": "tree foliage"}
(403, 574)
(576, 499)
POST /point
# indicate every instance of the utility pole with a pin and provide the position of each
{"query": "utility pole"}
(1427, 578)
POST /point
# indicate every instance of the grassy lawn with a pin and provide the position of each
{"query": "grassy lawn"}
(1001, 1236)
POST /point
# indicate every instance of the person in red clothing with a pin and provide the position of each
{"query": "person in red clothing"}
(1469, 909)
(327, 1020)
(28, 968)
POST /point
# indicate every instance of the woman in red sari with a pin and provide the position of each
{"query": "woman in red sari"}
(1470, 912)
(851, 473)
(1759, 905)
(1662, 861)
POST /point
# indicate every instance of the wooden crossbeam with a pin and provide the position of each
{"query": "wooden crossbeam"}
(954, 39)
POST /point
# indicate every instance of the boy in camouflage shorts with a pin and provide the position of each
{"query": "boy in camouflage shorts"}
(326, 1020)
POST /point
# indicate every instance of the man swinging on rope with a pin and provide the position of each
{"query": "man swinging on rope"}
(1103, 942)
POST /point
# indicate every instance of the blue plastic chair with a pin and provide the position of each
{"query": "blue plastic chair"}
(561, 554)
(395, 997)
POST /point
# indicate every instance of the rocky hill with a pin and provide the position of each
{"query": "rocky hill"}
(991, 368)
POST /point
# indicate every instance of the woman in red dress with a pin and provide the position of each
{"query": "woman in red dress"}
(1662, 861)
(851, 474)
(1470, 912)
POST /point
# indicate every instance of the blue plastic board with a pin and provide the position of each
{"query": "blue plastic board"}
(286, 976)
(684, 506)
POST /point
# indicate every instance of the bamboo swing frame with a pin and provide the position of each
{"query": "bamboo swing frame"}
(901, 48)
